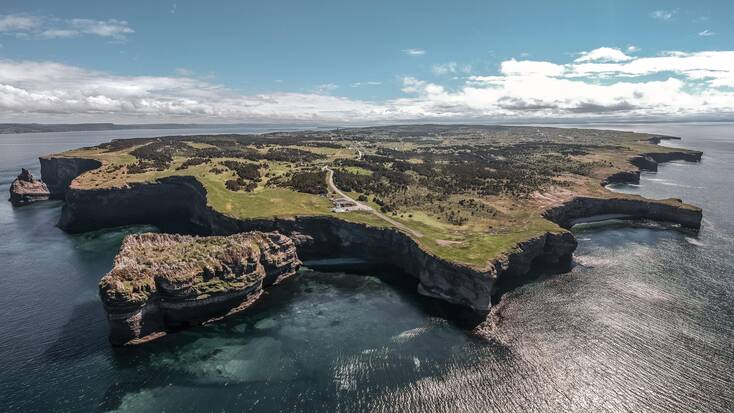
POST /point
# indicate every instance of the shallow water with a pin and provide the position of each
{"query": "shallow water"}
(643, 322)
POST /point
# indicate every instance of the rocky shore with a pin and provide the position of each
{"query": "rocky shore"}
(163, 282)
(26, 189)
(179, 204)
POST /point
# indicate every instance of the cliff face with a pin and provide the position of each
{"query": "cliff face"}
(161, 282)
(672, 210)
(58, 172)
(26, 189)
(174, 204)
(650, 161)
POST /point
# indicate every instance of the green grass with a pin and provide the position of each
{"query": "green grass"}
(263, 203)
(473, 244)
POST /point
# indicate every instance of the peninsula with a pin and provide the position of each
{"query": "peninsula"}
(462, 208)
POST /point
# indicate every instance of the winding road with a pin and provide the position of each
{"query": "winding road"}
(363, 207)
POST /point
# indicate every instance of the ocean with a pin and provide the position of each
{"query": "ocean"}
(644, 321)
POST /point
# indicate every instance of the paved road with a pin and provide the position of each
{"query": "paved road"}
(364, 207)
(330, 182)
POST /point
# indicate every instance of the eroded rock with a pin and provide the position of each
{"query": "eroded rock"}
(26, 189)
(161, 282)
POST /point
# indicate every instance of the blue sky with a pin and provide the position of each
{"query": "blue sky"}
(342, 60)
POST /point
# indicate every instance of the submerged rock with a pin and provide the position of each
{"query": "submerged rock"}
(161, 282)
(26, 189)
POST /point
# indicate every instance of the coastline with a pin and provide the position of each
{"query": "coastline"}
(179, 204)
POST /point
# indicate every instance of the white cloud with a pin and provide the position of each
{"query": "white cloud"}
(368, 83)
(412, 85)
(718, 64)
(48, 90)
(672, 85)
(59, 33)
(450, 68)
(706, 33)
(663, 14)
(116, 29)
(445, 68)
(414, 52)
(25, 25)
(530, 68)
(604, 54)
(632, 49)
(18, 22)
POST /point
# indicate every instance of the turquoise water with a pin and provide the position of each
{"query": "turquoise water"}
(644, 321)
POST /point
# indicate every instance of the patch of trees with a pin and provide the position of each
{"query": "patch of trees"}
(347, 181)
(516, 170)
(193, 162)
(228, 152)
(120, 144)
(291, 155)
(240, 184)
(158, 154)
(309, 182)
(280, 139)
(383, 181)
(244, 170)
(276, 154)
(312, 139)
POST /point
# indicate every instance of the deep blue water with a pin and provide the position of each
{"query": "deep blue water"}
(644, 321)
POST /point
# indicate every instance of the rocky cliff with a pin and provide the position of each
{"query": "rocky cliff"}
(58, 172)
(161, 282)
(650, 161)
(669, 210)
(26, 189)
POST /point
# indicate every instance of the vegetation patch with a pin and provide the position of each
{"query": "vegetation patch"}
(308, 182)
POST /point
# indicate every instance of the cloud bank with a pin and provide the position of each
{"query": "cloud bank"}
(28, 25)
(604, 83)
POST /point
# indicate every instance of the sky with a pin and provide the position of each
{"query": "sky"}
(362, 62)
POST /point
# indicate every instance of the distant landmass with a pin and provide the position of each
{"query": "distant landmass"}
(7, 128)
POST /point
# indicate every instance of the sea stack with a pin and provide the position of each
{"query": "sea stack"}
(164, 282)
(26, 189)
